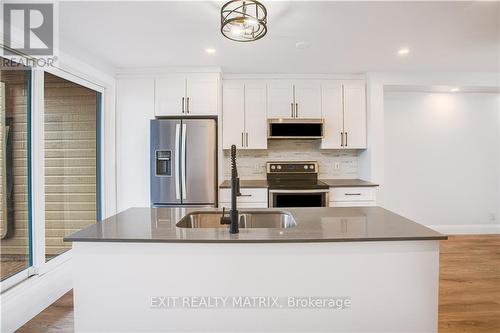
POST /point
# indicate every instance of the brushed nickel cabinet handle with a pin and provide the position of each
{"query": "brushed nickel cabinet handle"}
(346, 139)
(182, 104)
(352, 193)
(246, 139)
(341, 139)
(242, 139)
(187, 104)
(296, 110)
(291, 105)
(245, 195)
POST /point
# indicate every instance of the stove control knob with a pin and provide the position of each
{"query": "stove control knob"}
(279, 167)
(311, 167)
(305, 167)
(273, 167)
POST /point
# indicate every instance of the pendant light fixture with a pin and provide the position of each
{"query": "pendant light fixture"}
(243, 21)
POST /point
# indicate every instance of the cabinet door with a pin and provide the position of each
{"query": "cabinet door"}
(355, 114)
(169, 94)
(280, 99)
(333, 114)
(307, 99)
(248, 195)
(255, 115)
(202, 94)
(233, 114)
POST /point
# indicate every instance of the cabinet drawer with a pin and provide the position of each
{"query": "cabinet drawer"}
(247, 195)
(352, 194)
(244, 205)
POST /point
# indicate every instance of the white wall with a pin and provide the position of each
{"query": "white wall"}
(135, 108)
(442, 158)
(371, 161)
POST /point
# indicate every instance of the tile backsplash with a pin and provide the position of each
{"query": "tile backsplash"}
(252, 163)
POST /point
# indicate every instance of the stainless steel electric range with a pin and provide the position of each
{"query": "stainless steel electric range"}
(296, 184)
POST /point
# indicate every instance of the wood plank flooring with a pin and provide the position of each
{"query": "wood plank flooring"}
(469, 298)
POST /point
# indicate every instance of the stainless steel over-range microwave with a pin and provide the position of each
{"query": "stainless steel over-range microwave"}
(294, 128)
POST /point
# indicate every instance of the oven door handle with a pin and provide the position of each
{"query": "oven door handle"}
(299, 191)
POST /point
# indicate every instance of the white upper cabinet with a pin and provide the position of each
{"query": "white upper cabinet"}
(170, 95)
(184, 95)
(333, 115)
(344, 112)
(233, 114)
(248, 103)
(255, 115)
(244, 117)
(355, 114)
(307, 99)
(280, 102)
(202, 94)
(294, 99)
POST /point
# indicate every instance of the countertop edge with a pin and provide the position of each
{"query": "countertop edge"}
(238, 241)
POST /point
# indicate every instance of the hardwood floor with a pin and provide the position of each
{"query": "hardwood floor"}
(469, 298)
(57, 318)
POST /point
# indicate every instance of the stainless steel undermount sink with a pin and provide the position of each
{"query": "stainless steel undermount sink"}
(273, 219)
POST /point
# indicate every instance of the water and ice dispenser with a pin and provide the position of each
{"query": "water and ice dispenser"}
(163, 163)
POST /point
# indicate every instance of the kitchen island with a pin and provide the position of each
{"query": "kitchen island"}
(359, 269)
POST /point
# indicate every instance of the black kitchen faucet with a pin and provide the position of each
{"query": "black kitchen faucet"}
(232, 220)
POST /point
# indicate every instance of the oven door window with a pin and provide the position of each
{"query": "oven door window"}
(299, 199)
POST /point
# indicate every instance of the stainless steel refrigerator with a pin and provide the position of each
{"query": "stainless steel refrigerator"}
(183, 162)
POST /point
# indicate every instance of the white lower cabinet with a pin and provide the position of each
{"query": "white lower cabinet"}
(250, 198)
(352, 196)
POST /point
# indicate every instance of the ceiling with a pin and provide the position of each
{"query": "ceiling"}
(342, 37)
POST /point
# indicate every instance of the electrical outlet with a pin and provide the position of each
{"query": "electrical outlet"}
(337, 165)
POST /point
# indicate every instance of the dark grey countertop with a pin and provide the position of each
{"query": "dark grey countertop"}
(347, 183)
(313, 225)
(262, 183)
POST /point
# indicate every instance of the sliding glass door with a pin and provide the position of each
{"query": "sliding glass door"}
(15, 217)
(72, 114)
(50, 124)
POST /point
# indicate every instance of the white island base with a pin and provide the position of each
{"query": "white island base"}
(386, 286)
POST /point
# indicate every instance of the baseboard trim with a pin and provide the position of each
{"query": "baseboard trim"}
(24, 301)
(470, 229)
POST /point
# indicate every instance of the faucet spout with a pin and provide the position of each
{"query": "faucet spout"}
(235, 192)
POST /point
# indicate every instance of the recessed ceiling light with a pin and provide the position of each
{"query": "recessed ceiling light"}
(403, 51)
(302, 45)
(454, 89)
(210, 51)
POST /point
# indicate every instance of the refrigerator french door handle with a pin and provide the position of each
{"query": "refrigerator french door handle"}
(177, 161)
(183, 161)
